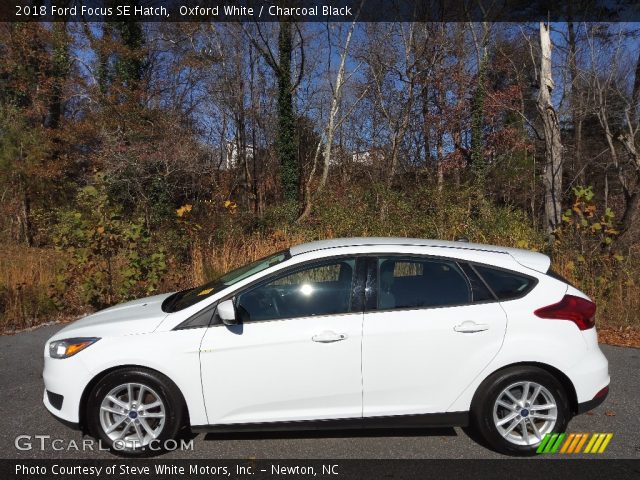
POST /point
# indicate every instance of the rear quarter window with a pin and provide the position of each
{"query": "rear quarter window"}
(505, 284)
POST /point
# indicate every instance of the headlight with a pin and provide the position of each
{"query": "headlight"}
(70, 346)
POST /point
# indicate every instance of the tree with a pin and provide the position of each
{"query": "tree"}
(552, 176)
(333, 123)
(478, 161)
(617, 106)
(282, 68)
(33, 79)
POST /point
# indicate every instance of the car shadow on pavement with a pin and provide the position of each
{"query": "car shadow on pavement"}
(347, 433)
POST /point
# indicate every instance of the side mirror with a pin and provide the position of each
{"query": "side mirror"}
(227, 313)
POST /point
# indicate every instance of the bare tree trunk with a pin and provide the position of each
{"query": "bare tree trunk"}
(332, 123)
(25, 216)
(426, 127)
(576, 104)
(440, 140)
(552, 177)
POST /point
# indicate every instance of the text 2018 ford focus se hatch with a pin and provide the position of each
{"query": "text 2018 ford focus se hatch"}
(343, 333)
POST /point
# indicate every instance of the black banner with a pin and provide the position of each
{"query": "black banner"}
(534, 468)
(320, 10)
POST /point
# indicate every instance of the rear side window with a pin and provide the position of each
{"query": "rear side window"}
(420, 283)
(506, 285)
(479, 291)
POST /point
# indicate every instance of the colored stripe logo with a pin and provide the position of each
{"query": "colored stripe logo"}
(574, 443)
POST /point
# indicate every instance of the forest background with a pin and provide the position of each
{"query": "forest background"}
(143, 158)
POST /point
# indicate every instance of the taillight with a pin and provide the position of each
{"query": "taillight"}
(578, 310)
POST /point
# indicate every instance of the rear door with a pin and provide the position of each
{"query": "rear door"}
(430, 327)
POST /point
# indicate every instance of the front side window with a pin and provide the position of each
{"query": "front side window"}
(420, 283)
(321, 289)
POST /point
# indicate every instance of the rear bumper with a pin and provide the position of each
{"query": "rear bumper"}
(589, 372)
(595, 402)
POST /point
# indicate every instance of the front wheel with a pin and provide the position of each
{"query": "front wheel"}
(134, 411)
(515, 408)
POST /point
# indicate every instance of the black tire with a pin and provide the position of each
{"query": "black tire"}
(482, 408)
(160, 386)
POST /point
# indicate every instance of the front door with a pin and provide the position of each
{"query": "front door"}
(295, 356)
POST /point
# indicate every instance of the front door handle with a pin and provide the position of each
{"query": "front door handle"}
(329, 337)
(471, 327)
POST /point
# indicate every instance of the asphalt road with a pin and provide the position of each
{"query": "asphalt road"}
(22, 413)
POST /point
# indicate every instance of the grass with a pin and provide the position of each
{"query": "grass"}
(26, 275)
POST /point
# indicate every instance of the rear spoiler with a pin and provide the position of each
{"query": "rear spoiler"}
(533, 260)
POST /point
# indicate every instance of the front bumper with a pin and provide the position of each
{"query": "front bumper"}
(66, 378)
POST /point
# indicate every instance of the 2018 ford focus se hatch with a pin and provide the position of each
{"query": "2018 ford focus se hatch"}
(342, 333)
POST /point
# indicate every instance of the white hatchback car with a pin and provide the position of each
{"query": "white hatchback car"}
(342, 333)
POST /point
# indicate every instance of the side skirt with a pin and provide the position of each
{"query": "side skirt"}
(425, 420)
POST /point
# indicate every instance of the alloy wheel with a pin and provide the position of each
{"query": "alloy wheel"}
(132, 415)
(524, 412)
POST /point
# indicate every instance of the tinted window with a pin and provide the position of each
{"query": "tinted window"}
(557, 276)
(319, 290)
(479, 291)
(186, 298)
(506, 285)
(418, 283)
(200, 319)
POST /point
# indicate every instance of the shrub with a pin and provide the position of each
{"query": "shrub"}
(111, 258)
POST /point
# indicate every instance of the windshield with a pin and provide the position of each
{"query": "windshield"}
(186, 298)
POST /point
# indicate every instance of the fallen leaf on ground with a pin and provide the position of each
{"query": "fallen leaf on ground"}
(619, 336)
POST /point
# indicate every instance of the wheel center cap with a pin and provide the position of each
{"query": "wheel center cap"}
(133, 414)
(524, 412)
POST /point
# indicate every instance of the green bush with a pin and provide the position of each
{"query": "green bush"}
(111, 258)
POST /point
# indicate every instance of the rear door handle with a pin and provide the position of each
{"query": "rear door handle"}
(329, 337)
(471, 327)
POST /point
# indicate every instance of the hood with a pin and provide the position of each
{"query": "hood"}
(130, 318)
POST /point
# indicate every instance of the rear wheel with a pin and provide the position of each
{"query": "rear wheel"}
(515, 408)
(134, 411)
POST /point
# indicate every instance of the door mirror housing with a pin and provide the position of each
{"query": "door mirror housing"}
(227, 313)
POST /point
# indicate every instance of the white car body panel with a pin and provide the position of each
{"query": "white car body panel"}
(174, 354)
(414, 362)
(138, 316)
(277, 373)
(391, 363)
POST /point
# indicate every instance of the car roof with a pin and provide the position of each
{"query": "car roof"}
(530, 259)
(375, 241)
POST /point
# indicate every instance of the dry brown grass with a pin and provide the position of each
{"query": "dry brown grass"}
(25, 278)
(209, 262)
(27, 273)
(30, 266)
